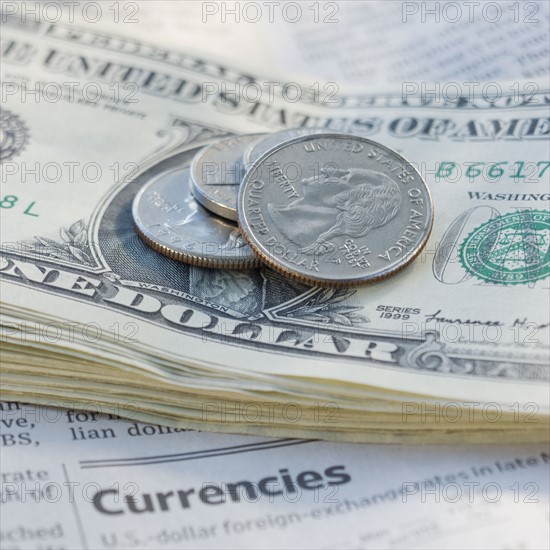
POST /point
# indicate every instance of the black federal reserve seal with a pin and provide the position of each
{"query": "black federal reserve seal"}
(13, 135)
(335, 210)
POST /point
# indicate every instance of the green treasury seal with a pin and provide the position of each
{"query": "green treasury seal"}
(510, 249)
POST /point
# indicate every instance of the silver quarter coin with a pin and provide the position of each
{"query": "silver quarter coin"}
(168, 219)
(217, 172)
(335, 210)
(262, 145)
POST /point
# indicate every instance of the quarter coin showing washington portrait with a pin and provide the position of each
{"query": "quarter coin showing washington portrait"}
(335, 210)
(168, 219)
(217, 172)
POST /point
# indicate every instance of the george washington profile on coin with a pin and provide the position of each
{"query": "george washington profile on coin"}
(337, 203)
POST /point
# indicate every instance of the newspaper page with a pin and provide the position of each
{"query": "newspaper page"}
(390, 44)
(79, 479)
(367, 43)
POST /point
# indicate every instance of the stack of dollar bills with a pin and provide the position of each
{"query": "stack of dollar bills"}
(454, 348)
